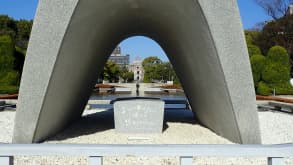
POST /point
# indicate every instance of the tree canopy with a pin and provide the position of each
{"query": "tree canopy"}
(14, 37)
(126, 75)
(156, 70)
(111, 72)
(19, 30)
(278, 32)
(9, 77)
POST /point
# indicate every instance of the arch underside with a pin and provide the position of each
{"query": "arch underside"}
(71, 40)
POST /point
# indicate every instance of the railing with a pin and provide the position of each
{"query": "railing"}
(274, 153)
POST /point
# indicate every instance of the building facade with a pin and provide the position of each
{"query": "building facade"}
(118, 58)
(137, 68)
(291, 9)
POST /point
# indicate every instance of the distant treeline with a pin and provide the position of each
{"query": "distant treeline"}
(266, 45)
(18, 30)
(14, 37)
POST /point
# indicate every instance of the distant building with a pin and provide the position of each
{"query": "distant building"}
(117, 50)
(137, 69)
(118, 58)
(290, 10)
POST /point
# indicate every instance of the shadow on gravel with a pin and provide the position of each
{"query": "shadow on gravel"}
(103, 121)
(178, 116)
(89, 124)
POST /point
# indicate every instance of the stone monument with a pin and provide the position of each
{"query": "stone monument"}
(72, 39)
(139, 115)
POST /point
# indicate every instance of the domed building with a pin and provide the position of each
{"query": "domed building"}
(137, 68)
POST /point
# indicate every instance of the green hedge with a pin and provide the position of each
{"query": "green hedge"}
(8, 89)
(284, 88)
(263, 89)
(257, 65)
(9, 78)
(275, 73)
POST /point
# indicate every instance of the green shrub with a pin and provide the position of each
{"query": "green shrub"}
(257, 65)
(284, 88)
(275, 73)
(278, 54)
(9, 78)
(8, 89)
(253, 50)
(272, 72)
(263, 89)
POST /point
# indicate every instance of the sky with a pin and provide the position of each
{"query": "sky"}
(137, 46)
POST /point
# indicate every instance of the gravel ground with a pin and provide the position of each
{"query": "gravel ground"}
(97, 127)
(6, 126)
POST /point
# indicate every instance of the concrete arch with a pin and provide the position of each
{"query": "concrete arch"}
(72, 39)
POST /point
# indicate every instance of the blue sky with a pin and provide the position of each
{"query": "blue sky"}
(251, 14)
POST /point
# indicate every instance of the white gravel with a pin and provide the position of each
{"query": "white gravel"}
(276, 127)
(97, 128)
(6, 126)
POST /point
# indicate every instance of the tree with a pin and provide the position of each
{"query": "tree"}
(151, 61)
(251, 36)
(7, 26)
(257, 62)
(278, 32)
(16, 33)
(275, 8)
(24, 28)
(6, 53)
(126, 75)
(9, 78)
(19, 30)
(111, 72)
(169, 73)
(156, 70)
(253, 50)
(19, 56)
(152, 69)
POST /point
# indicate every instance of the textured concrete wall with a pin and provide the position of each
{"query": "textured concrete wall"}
(72, 39)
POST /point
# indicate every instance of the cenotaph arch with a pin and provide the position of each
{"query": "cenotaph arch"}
(72, 39)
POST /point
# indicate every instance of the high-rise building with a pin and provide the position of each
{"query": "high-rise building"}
(117, 50)
(118, 58)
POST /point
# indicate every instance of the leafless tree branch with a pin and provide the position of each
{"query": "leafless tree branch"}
(275, 8)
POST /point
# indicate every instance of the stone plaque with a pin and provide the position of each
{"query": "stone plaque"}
(139, 116)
